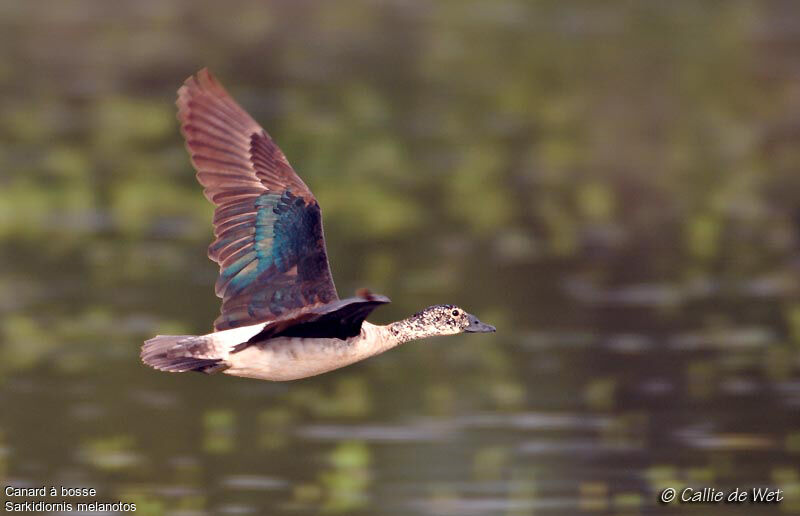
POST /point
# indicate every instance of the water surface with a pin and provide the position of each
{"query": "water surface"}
(614, 186)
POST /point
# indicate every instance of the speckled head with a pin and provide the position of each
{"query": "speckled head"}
(448, 320)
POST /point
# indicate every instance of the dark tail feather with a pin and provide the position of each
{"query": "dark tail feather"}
(165, 353)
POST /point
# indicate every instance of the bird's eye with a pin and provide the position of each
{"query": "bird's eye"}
(456, 313)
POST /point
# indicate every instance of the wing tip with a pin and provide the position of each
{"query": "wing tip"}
(202, 81)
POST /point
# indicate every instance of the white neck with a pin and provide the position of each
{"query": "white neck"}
(375, 339)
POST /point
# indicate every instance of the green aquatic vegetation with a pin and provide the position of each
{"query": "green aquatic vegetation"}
(66, 162)
(524, 490)
(274, 427)
(348, 397)
(561, 226)
(596, 201)
(352, 397)
(3, 455)
(792, 443)
(508, 394)
(140, 208)
(112, 453)
(788, 479)
(702, 236)
(701, 379)
(219, 427)
(306, 494)
(593, 496)
(391, 214)
(479, 175)
(600, 393)
(25, 342)
(346, 481)
(662, 476)
(379, 267)
(701, 475)
(146, 504)
(68, 343)
(490, 462)
(491, 152)
(792, 316)
(30, 212)
(777, 362)
(130, 122)
(32, 121)
(626, 502)
(626, 430)
(439, 399)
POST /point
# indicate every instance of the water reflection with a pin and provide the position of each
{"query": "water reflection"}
(614, 185)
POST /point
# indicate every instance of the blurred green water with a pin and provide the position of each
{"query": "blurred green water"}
(615, 186)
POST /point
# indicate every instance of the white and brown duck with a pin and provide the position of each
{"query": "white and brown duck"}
(281, 318)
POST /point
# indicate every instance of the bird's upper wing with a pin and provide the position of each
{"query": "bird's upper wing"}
(268, 225)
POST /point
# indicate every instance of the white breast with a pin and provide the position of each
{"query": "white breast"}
(292, 358)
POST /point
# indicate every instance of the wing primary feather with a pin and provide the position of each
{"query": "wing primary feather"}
(220, 115)
(191, 129)
(221, 166)
(213, 149)
(272, 256)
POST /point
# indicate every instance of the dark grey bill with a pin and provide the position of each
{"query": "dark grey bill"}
(475, 326)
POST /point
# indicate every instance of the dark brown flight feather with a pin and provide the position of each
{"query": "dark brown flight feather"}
(268, 226)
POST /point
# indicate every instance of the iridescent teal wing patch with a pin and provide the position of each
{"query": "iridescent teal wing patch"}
(278, 265)
(268, 225)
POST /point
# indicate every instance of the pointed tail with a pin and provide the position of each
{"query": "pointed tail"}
(175, 353)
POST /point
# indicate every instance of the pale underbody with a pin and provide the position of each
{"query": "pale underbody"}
(239, 352)
(291, 358)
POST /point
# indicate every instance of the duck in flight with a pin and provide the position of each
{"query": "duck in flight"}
(281, 318)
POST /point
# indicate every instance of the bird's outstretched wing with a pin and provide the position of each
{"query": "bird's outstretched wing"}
(268, 225)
